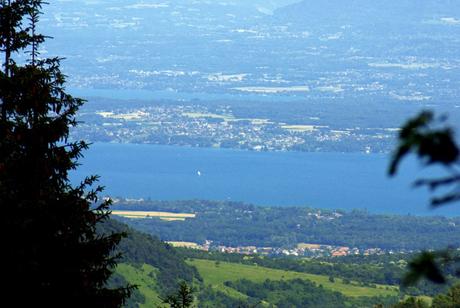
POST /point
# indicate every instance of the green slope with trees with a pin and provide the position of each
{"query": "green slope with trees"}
(252, 284)
(147, 256)
(233, 280)
(145, 278)
(217, 273)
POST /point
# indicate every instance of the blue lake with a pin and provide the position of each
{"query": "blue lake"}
(319, 180)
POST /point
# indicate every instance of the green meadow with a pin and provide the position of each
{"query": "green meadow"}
(216, 273)
(144, 277)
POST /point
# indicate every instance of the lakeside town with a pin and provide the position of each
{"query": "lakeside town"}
(302, 250)
(310, 250)
(198, 125)
(235, 227)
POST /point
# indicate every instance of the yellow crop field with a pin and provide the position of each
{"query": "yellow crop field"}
(172, 218)
(184, 244)
(148, 214)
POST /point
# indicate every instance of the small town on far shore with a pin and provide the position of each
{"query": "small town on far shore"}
(302, 250)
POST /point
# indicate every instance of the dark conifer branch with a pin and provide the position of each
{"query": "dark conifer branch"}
(55, 256)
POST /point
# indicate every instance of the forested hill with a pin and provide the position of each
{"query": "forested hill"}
(234, 224)
(139, 248)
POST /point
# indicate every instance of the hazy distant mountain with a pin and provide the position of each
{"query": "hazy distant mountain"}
(367, 11)
(360, 50)
(265, 6)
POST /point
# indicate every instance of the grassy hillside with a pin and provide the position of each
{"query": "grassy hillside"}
(153, 266)
(216, 276)
(217, 273)
(157, 268)
(145, 278)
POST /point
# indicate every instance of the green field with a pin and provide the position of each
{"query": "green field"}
(216, 273)
(300, 128)
(208, 115)
(226, 118)
(144, 278)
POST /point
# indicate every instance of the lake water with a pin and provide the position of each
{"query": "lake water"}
(320, 180)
